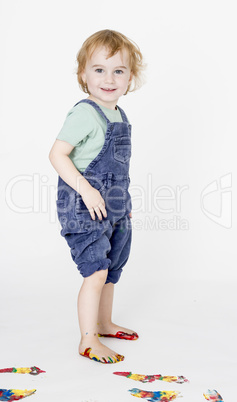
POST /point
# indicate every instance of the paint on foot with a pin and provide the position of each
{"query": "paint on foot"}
(122, 335)
(15, 394)
(163, 396)
(150, 378)
(212, 395)
(87, 353)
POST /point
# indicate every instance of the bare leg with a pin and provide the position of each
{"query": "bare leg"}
(105, 324)
(88, 307)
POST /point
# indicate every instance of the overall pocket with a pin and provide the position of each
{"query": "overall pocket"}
(80, 206)
(61, 212)
(61, 209)
(122, 149)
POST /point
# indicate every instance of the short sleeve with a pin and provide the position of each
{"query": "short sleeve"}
(77, 126)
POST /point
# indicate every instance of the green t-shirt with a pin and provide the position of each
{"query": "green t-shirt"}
(85, 129)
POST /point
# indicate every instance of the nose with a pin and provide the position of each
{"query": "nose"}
(109, 78)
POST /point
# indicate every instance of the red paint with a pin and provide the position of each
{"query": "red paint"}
(36, 370)
(122, 335)
(123, 373)
(7, 370)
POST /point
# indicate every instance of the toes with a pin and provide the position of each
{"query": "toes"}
(112, 359)
(106, 360)
(119, 358)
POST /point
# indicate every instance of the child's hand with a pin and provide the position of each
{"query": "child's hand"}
(93, 200)
(66, 169)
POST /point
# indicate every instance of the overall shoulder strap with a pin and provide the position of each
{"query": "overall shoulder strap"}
(124, 117)
(95, 106)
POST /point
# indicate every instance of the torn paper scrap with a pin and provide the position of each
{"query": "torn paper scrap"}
(23, 370)
(150, 378)
(15, 394)
(212, 395)
(163, 396)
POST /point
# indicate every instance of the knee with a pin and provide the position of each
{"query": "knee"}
(98, 279)
(101, 275)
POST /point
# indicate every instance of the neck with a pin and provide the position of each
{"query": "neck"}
(111, 105)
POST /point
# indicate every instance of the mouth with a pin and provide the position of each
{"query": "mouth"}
(108, 90)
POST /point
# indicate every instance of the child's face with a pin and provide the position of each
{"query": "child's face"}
(107, 79)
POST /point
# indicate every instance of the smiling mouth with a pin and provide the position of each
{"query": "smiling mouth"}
(108, 89)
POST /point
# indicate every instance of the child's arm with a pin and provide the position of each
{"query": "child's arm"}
(67, 171)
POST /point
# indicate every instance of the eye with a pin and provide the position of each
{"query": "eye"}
(99, 70)
(118, 71)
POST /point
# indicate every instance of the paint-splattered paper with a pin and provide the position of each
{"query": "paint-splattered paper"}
(212, 395)
(164, 396)
(23, 370)
(150, 378)
(15, 394)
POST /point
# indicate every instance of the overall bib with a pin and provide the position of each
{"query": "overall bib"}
(96, 245)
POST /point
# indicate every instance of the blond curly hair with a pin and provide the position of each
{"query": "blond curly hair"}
(113, 41)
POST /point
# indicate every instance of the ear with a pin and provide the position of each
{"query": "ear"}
(130, 78)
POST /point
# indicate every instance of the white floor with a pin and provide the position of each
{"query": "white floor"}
(186, 328)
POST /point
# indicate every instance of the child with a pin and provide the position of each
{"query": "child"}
(91, 155)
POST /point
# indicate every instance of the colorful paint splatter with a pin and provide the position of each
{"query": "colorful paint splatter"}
(14, 394)
(23, 370)
(122, 335)
(213, 396)
(87, 353)
(150, 378)
(164, 396)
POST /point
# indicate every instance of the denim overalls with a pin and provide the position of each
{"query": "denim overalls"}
(96, 245)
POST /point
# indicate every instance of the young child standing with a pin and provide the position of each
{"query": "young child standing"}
(91, 155)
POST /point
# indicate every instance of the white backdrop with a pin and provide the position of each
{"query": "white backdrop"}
(178, 289)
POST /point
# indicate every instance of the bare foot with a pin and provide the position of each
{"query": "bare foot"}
(115, 331)
(95, 350)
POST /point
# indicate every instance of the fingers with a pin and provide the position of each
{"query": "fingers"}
(92, 214)
(94, 203)
(98, 213)
(102, 209)
(99, 210)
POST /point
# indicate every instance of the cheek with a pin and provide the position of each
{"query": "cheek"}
(127, 82)
(92, 79)
(83, 77)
